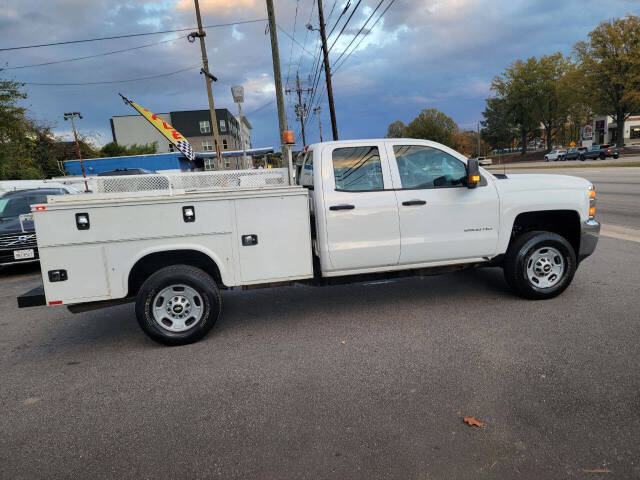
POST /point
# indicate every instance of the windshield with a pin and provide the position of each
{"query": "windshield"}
(12, 206)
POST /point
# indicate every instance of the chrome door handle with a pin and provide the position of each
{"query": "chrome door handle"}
(409, 203)
(342, 207)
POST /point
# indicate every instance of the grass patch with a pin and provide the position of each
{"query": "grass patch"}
(589, 165)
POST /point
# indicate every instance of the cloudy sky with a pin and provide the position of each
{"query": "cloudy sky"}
(421, 54)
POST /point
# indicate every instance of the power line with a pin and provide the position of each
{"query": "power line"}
(131, 35)
(111, 81)
(345, 24)
(295, 21)
(96, 55)
(359, 31)
(294, 40)
(364, 36)
(270, 102)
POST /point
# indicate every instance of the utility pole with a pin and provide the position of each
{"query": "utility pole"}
(70, 116)
(301, 109)
(478, 139)
(209, 78)
(318, 110)
(275, 54)
(327, 72)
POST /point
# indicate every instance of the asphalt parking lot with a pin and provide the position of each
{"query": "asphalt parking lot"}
(355, 381)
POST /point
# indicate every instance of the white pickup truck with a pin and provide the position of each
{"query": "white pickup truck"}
(361, 209)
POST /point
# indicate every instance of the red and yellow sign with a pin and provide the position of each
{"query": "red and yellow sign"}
(174, 136)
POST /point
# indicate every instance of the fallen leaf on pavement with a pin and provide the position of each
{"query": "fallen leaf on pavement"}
(31, 400)
(342, 342)
(473, 422)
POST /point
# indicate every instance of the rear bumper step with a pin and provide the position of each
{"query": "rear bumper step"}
(33, 298)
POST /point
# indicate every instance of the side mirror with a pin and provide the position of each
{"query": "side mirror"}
(473, 173)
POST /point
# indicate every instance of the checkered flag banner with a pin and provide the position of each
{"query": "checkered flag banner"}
(186, 149)
(174, 136)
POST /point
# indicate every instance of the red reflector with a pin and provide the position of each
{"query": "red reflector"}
(40, 208)
(56, 302)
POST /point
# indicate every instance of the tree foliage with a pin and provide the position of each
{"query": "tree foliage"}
(396, 129)
(610, 65)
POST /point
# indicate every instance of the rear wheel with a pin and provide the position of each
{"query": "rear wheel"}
(603, 156)
(178, 305)
(539, 265)
(582, 158)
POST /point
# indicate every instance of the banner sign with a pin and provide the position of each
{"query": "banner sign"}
(587, 132)
(174, 136)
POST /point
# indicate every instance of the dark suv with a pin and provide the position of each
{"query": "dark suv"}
(18, 239)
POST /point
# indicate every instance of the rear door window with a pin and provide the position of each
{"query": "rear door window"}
(357, 169)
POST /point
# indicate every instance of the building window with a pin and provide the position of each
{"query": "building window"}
(227, 163)
(224, 144)
(635, 132)
(223, 126)
(172, 147)
(205, 126)
(206, 146)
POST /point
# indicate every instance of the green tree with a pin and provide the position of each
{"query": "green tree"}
(518, 89)
(396, 130)
(112, 149)
(499, 128)
(610, 62)
(551, 99)
(432, 124)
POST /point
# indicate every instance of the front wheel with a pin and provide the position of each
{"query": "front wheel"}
(539, 265)
(178, 305)
(582, 158)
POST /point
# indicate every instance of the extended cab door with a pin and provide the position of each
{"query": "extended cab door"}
(440, 218)
(360, 212)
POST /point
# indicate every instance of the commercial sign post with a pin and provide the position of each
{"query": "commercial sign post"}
(238, 97)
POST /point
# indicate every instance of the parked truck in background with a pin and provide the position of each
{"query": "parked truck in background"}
(362, 209)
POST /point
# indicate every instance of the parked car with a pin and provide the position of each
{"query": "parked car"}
(574, 153)
(609, 151)
(367, 209)
(555, 155)
(17, 236)
(126, 171)
(484, 161)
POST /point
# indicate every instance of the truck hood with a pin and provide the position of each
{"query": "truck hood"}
(10, 225)
(539, 182)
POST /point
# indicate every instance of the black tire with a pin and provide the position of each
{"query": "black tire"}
(615, 157)
(519, 255)
(603, 156)
(582, 158)
(208, 300)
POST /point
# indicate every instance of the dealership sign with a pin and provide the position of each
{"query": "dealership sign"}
(587, 132)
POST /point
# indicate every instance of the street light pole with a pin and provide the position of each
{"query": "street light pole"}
(209, 78)
(70, 116)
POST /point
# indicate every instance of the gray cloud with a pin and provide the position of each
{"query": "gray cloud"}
(432, 53)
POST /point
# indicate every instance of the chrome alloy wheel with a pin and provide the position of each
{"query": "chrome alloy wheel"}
(178, 308)
(545, 267)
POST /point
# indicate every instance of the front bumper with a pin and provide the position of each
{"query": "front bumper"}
(589, 233)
